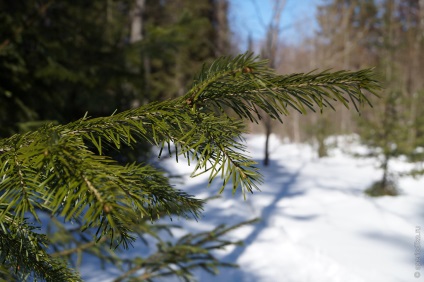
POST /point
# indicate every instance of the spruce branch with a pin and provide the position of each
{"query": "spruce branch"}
(275, 94)
(191, 123)
(191, 252)
(62, 169)
(74, 182)
(32, 259)
(245, 85)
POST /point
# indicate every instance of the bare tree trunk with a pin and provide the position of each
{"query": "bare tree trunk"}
(385, 178)
(137, 21)
(268, 131)
(421, 7)
(137, 34)
(347, 49)
(222, 27)
(411, 79)
(270, 52)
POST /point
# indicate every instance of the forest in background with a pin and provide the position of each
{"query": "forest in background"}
(62, 60)
(386, 35)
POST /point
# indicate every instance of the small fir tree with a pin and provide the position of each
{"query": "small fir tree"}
(383, 134)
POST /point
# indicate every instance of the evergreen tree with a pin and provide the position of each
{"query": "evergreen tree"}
(61, 59)
(61, 171)
(180, 36)
(391, 129)
(389, 35)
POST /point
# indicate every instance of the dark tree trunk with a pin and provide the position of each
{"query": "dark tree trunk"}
(268, 130)
(385, 178)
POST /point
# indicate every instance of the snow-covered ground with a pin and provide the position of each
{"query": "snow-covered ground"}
(316, 222)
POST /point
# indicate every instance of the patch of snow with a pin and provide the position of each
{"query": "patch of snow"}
(316, 222)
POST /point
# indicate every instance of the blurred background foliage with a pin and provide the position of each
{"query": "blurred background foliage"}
(387, 35)
(61, 59)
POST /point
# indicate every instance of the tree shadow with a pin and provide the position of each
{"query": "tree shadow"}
(281, 179)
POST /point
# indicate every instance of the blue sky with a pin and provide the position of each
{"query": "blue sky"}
(252, 16)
